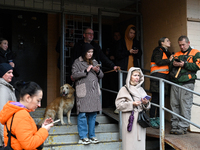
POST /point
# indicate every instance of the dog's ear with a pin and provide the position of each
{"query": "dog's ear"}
(61, 89)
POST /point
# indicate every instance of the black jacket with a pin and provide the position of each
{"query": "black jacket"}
(157, 58)
(122, 54)
(98, 54)
(5, 56)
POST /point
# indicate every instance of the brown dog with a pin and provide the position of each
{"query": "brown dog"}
(61, 105)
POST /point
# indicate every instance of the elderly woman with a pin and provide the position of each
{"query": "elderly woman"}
(6, 90)
(135, 139)
(86, 73)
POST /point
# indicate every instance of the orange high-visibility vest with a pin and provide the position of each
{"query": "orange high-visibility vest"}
(160, 69)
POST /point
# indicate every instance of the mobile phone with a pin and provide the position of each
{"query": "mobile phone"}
(98, 65)
(134, 48)
(177, 60)
(54, 121)
(147, 97)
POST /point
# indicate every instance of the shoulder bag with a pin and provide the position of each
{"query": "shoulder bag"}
(143, 118)
(8, 147)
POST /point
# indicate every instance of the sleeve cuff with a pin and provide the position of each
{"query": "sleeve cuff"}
(86, 71)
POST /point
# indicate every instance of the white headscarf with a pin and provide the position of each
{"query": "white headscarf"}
(137, 91)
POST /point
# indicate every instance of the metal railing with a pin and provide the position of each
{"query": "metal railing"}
(162, 108)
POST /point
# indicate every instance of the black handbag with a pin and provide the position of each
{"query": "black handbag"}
(143, 119)
(8, 147)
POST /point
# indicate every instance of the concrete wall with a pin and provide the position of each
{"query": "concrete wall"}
(193, 28)
(166, 18)
(53, 74)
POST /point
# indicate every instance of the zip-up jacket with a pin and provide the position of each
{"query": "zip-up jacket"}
(23, 127)
(191, 66)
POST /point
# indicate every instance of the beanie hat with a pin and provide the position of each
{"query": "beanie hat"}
(4, 67)
(85, 48)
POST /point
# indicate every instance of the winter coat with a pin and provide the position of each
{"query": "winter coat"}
(87, 86)
(7, 93)
(5, 56)
(122, 54)
(23, 127)
(99, 55)
(134, 140)
(157, 58)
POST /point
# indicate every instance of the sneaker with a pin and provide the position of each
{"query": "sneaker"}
(84, 141)
(94, 140)
(173, 130)
(153, 123)
(116, 111)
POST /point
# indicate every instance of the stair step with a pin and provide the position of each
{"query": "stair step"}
(74, 138)
(100, 119)
(73, 129)
(105, 146)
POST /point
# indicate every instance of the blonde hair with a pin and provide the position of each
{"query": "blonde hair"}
(137, 70)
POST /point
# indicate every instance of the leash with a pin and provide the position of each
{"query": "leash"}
(118, 68)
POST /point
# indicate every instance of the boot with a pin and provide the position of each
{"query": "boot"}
(153, 123)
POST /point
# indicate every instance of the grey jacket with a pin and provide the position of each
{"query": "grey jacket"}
(7, 93)
(87, 86)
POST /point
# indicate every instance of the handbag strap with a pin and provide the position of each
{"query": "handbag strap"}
(9, 132)
(130, 94)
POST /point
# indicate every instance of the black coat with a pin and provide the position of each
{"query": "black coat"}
(98, 54)
(5, 56)
(157, 58)
(122, 54)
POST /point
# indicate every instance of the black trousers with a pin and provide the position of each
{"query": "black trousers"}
(154, 111)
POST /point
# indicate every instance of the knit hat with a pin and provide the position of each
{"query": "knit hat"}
(85, 48)
(4, 67)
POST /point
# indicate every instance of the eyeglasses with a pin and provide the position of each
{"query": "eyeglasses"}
(90, 33)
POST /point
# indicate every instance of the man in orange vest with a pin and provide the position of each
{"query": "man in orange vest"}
(160, 61)
(187, 61)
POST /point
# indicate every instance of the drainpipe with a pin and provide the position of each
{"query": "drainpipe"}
(62, 47)
(100, 44)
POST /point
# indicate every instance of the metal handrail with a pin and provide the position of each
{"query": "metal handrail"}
(161, 106)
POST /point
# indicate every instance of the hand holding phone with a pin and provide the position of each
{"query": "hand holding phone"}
(147, 97)
(177, 60)
(98, 65)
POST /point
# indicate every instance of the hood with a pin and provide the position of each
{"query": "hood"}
(3, 82)
(129, 77)
(127, 31)
(8, 111)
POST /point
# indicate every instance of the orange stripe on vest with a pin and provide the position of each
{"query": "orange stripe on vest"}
(160, 69)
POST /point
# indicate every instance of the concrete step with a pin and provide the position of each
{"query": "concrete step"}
(59, 130)
(74, 138)
(100, 146)
(100, 119)
(63, 137)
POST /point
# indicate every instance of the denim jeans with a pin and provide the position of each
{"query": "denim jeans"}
(85, 128)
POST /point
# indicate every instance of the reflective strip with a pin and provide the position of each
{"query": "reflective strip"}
(160, 70)
(153, 65)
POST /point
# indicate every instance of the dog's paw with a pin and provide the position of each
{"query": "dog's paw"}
(70, 123)
(63, 124)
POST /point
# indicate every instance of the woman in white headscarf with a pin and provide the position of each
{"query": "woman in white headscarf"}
(136, 138)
